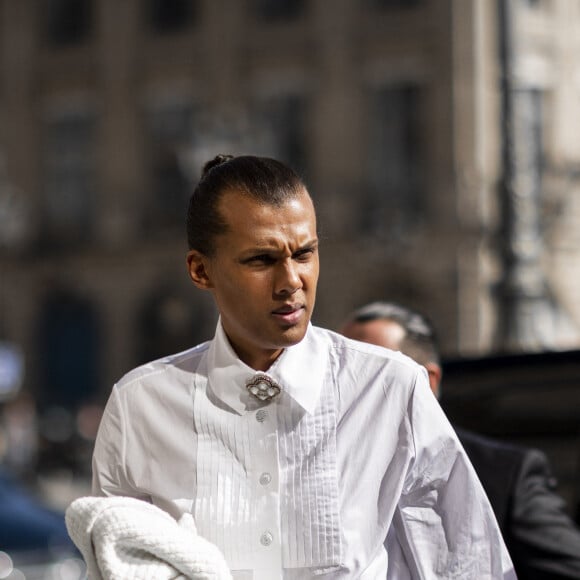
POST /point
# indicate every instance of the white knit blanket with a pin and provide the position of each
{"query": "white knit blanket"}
(122, 538)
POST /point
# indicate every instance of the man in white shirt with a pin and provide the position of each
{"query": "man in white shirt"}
(300, 453)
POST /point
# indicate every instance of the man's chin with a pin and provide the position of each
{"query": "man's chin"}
(293, 335)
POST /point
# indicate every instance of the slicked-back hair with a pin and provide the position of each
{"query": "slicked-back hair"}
(420, 341)
(265, 180)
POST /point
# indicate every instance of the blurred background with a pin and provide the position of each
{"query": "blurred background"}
(439, 139)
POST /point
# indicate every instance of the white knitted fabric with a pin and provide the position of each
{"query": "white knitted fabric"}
(123, 538)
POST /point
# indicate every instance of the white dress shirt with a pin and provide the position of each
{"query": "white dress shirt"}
(354, 455)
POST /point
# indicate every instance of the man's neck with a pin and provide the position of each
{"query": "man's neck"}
(260, 361)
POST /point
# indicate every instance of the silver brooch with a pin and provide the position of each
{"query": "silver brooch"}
(263, 388)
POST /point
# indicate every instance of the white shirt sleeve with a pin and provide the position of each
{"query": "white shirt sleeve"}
(444, 522)
(109, 466)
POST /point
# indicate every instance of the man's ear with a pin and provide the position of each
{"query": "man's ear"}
(198, 271)
(435, 373)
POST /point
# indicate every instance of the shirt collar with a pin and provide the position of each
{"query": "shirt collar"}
(299, 371)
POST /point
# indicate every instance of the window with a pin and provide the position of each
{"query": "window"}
(279, 10)
(169, 322)
(526, 156)
(69, 176)
(395, 164)
(283, 118)
(68, 337)
(167, 16)
(171, 133)
(530, 103)
(395, 3)
(67, 22)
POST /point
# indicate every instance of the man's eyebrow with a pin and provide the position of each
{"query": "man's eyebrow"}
(273, 246)
(266, 247)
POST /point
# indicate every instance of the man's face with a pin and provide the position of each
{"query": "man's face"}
(263, 274)
(382, 332)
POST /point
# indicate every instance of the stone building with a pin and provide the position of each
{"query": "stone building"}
(438, 137)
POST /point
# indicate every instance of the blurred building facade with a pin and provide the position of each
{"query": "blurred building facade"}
(438, 138)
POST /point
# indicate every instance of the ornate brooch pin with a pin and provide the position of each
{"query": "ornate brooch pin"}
(263, 388)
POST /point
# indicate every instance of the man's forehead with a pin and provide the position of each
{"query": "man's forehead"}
(256, 223)
(386, 333)
(237, 206)
(234, 195)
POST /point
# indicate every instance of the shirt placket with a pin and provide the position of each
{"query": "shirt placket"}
(266, 477)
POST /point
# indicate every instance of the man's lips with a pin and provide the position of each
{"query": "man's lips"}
(290, 313)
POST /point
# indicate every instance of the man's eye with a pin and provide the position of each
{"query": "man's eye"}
(304, 255)
(261, 259)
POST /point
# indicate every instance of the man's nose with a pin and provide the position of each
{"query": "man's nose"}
(288, 278)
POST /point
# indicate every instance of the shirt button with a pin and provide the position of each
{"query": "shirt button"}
(266, 539)
(261, 415)
(265, 478)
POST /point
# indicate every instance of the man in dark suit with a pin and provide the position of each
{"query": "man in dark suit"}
(542, 540)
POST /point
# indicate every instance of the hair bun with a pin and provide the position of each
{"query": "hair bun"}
(217, 160)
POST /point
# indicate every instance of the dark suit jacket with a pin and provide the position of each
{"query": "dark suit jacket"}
(542, 540)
